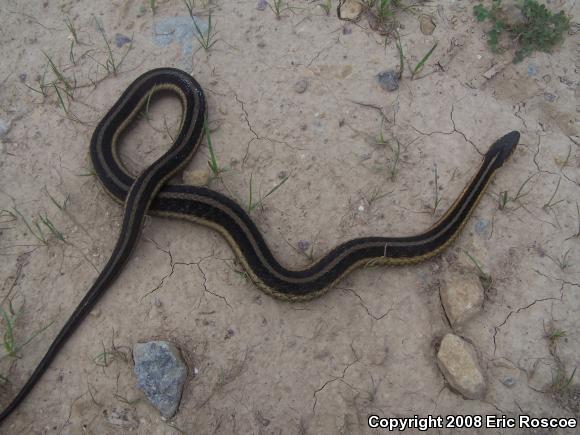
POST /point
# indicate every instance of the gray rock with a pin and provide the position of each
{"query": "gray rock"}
(161, 374)
(4, 127)
(300, 86)
(508, 381)
(389, 80)
(462, 298)
(303, 245)
(261, 5)
(458, 363)
(121, 40)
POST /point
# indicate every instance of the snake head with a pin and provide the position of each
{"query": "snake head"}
(503, 147)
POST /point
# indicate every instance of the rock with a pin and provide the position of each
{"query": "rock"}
(4, 127)
(121, 40)
(197, 177)
(300, 86)
(462, 298)
(389, 80)
(426, 24)
(350, 10)
(261, 5)
(458, 363)
(303, 245)
(161, 374)
(508, 381)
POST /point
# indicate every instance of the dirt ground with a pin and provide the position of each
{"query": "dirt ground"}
(258, 365)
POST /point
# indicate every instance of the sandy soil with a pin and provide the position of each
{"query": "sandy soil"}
(259, 365)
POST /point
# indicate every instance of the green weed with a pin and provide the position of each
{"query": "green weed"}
(252, 205)
(484, 277)
(539, 30)
(276, 7)
(212, 162)
(10, 345)
(505, 198)
(206, 40)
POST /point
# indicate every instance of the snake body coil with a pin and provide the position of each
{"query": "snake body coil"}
(148, 193)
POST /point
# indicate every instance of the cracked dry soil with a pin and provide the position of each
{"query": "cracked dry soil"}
(263, 366)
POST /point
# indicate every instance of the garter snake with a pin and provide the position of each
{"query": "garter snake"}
(148, 193)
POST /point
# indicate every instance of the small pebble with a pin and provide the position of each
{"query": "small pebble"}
(261, 5)
(427, 24)
(346, 30)
(389, 80)
(121, 40)
(22, 77)
(508, 382)
(229, 334)
(282, 175)
(157, 302)
(300, 86)
(303, 245)
(532, 70)
(4, 127)
(261, 44)
(549, 97)
(481, 226)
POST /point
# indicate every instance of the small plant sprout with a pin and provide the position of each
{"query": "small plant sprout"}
(563, 261)
(385, 9)
(60, 78)
(252, 205)
(326, 6)
(395, 160)
(212, 162)
(111, 64)
(276, 6)
(484, 277)
(205, 39)
(9, 315)
(505, 198)
(401, 55)
(555, 334)
(560, 379)
(36, 229)
(421, 63)
(437, 198)
(566, 161)
(577, 235)
(551, 203)
(72, 30)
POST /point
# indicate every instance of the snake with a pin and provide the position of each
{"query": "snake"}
(149, 193)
